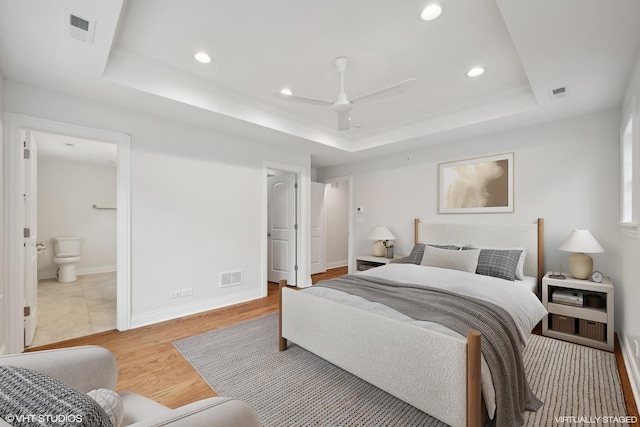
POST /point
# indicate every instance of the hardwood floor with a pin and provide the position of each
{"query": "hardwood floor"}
(149, 364)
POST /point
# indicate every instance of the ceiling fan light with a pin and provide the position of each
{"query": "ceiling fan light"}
(202, 58)
(286, 92)
(475, 72)
(431, 12)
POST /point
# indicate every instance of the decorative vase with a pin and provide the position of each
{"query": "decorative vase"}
(390, 253)
(378, 248)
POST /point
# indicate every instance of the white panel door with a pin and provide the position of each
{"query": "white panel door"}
(317, 229)
(282, 253)
(30, 242)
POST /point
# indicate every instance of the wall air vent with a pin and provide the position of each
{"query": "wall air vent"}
(78, 27)
(558, 93)
(231, 279)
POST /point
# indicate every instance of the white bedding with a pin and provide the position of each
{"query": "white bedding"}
(515, 297)
(529, 282)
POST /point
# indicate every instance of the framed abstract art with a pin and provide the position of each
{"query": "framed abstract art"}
(477, 185)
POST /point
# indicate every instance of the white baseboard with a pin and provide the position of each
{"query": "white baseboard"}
(189, 308)
(96, 270)
(42, 275)
(336, 264)
(628, 355)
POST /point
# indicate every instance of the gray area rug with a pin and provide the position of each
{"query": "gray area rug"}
(297, 388)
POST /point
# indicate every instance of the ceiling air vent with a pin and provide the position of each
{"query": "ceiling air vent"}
(558, 93)
(78, 27)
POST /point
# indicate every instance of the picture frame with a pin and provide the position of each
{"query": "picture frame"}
(476, 185)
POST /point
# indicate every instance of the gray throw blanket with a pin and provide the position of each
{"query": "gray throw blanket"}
(501, 346)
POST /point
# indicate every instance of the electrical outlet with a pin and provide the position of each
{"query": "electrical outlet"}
(175, 294)
(187, 292)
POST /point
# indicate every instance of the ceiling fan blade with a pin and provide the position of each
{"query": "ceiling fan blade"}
(395, 89)
(296, 98)
(343, 121)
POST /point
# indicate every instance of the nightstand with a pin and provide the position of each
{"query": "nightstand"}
(587, 320)
(365, 262)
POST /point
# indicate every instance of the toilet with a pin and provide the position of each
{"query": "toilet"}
(67, 254)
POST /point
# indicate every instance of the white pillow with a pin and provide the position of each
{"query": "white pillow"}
(453, 260)
(519, 267)
(111, 402)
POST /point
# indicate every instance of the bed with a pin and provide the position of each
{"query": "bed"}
(425, 364)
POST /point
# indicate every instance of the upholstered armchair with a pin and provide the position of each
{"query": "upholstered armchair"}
(91, 368)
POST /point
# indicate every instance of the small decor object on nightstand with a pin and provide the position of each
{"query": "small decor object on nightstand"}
(380, 234)
(389, 245)
(555, 275)
(597, 277)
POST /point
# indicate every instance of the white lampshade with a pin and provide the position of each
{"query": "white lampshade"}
(381, 233)
(581, 241)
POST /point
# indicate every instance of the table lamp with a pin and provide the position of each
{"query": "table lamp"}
(581, 242)
(379, 234)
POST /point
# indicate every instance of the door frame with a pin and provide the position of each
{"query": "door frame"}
(13, 242)
(303, 235)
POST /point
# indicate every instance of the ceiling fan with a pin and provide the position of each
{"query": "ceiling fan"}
(344, 105)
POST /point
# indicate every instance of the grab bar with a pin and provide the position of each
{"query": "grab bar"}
(97, 207)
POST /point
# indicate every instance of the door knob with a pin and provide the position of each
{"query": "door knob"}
(269, 234)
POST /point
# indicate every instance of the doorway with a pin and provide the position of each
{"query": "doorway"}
(338, 215)
(76, 196)
(15, 313)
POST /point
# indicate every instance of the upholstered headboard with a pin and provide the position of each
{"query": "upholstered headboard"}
(530, 236)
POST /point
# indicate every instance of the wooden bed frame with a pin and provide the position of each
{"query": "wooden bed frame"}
(400, 358)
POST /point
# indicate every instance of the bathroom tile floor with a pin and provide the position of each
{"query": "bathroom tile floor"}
(75, 309)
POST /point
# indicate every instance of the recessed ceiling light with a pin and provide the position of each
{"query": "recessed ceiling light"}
(202, 57)
(431, 12)
(286, 92)
(475, 72)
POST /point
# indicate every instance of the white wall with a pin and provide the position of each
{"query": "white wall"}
(66, 193)
(196, 200)
(629, 286)
(336, 202)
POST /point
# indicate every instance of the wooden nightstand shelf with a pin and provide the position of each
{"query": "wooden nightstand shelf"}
(365, 262)
(584, 325)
